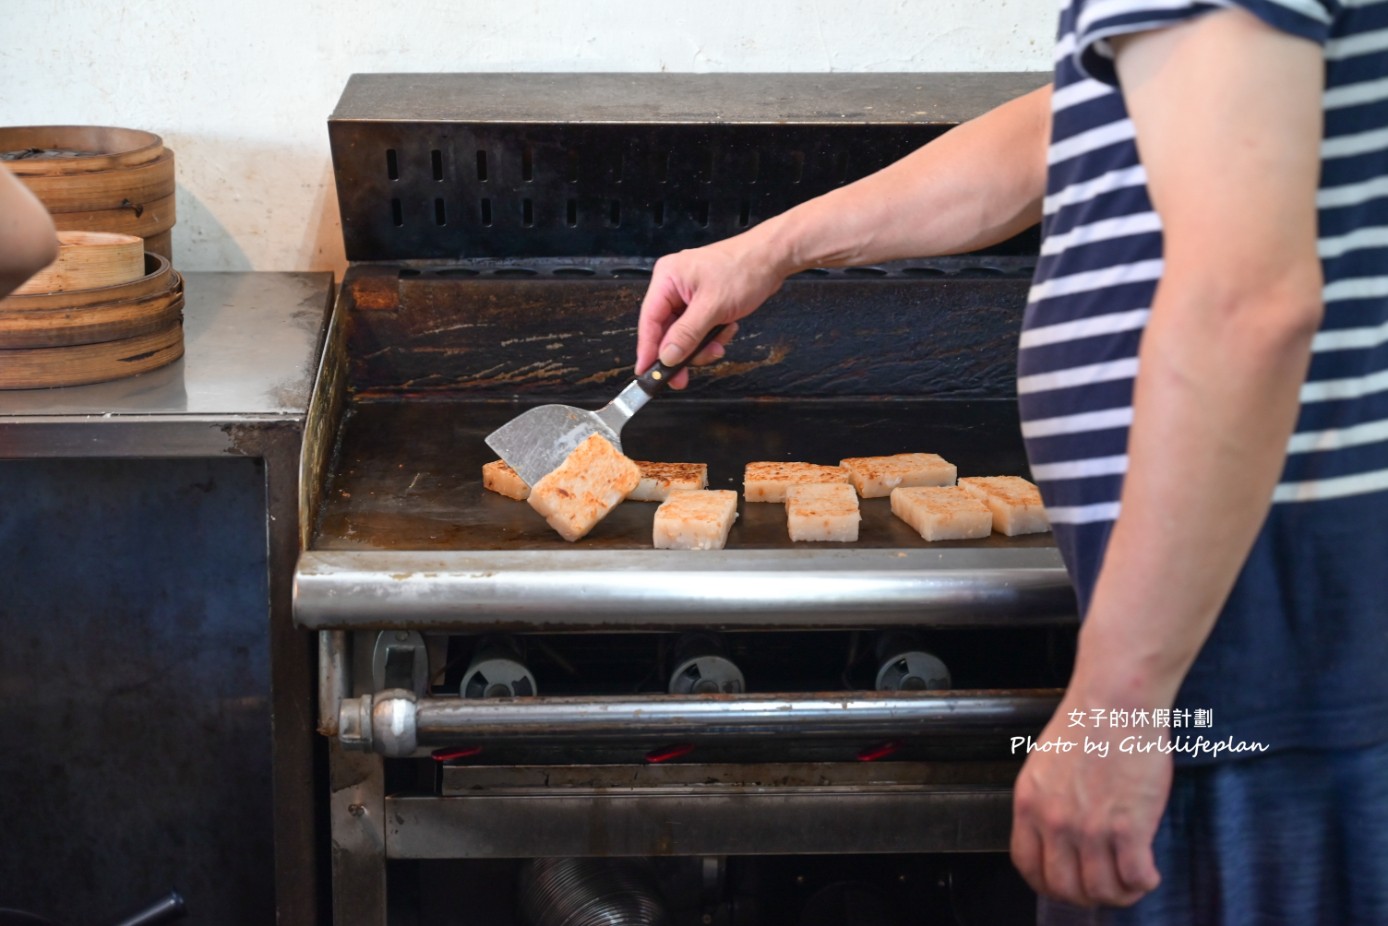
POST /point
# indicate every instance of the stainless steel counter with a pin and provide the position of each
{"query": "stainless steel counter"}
(251, 352)
(162, 699)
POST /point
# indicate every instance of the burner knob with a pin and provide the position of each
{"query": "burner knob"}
(903, 664)
(702, 667)
(912, 670)
(497, 670)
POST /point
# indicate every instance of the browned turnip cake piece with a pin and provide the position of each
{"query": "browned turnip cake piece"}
(827, 511)
(1015, 503)
(942, 512)
(767, 481)
(875, 477)
(658, 480)
(580, 492)
(500, 478)
(696, 519)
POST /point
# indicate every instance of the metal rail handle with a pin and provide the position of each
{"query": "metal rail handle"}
(396, 722)
(525, 591)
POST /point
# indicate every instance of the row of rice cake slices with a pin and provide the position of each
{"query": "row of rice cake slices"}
(821, 501)
(925, 491)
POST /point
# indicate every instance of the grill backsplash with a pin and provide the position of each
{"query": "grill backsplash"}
(502, 228)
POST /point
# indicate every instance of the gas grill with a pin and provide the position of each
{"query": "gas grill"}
(524, 730)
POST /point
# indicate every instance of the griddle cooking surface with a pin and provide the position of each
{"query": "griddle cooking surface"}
(408, 474)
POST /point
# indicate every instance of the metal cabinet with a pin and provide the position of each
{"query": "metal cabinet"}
(155, 700)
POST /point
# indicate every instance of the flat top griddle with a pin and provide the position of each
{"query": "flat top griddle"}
(407, 475)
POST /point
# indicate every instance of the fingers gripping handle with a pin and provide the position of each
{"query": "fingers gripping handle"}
(657, 378)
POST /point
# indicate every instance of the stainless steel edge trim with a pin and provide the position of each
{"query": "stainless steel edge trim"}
(632, 590)
(463, 780)
(322, 419)
(688, 99)
(832, 821)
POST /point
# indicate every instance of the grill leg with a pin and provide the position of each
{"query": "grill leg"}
(358, 837)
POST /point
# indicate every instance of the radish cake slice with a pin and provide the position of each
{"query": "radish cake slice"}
(658, 480)
(698, 519)
(822, 512)
(767, 482)
(942, 512)
(581, 491)
(500, 478)
(1015, 503)
(875, 477)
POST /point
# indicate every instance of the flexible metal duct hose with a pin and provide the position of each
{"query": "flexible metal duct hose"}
(589, 892)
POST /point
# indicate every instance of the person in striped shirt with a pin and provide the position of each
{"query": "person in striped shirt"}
(1203, 384)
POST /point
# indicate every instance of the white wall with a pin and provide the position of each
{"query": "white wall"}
(241, 89)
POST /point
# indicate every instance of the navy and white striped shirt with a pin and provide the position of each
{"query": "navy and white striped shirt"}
(1299, 658)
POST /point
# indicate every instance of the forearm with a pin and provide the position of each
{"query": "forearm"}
(1216, 400)
(978, 184)
(27, 240)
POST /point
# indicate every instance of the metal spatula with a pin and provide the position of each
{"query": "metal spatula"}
(537, 441)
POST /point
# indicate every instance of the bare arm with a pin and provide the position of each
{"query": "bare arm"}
(978, 184)
(27, 240)
(1228, 119)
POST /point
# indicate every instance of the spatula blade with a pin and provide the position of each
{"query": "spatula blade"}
(535, 442)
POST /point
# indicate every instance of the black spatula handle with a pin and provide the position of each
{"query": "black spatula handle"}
(655, 380)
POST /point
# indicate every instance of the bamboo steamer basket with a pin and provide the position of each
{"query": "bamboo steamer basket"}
(81, 364)
(95, 324)
(90, 316)
(159, 276)
(92, 335)
(77, 148)
(97, 178)
(152, 222)
(100, 190)
(88, 260)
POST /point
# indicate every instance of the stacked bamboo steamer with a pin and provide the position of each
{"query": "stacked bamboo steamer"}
(103, 310)
(111, 305)
(97, 178)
